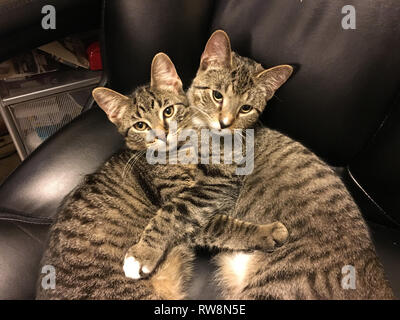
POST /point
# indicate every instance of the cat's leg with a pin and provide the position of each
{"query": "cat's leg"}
(188, 214)
(181, 217)
(168, 227)
(226, 232)
(174, 221)
(171, 278)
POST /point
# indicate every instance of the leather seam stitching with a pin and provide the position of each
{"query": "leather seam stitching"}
(14, 215)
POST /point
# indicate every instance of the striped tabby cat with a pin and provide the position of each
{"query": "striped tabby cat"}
(292, 185)
(109, 213)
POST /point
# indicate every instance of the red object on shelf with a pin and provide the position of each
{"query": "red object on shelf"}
(94, 56)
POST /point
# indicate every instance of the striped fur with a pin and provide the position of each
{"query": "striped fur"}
(289, 184)
(95, 226)
(327, 231)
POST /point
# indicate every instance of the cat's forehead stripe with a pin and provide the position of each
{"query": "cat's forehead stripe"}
(136, 114)
(241, 81)
(141, 111)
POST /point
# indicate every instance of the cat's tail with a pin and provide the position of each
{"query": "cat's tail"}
(172, 276)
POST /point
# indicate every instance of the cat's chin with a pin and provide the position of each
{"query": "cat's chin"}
(164, 148)
(221, 132)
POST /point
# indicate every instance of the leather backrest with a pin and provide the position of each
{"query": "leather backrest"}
(346, 80)
(377, 168)
(136, 30)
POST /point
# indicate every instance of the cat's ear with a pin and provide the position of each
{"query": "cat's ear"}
(217, 53)
(113, 103)
(164, 75)
(274, 77)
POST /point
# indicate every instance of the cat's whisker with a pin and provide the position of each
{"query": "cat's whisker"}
(137, 158)
(189, 120)
(182, 125)
(123, 171)
(131, 161)
(202, 112)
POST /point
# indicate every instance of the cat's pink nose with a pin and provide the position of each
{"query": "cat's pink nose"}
(225, 122)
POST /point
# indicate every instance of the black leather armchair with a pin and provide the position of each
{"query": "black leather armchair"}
(341, 103)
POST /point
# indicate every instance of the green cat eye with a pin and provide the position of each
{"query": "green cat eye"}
(246, 108)
(141, 126)
(217, 96)
(168, 112)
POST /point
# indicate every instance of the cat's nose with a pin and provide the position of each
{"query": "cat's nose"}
(225, 122)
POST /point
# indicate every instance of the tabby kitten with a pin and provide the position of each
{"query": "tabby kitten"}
(107, 213)
(292, 185)
(103, 217)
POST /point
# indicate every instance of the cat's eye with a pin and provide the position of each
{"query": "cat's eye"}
(140, 126)
(217, 96)
(168, 112)
(246, 108)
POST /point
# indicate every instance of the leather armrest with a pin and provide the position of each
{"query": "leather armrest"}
(35, 189)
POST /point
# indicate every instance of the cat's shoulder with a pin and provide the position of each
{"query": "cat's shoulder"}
(263, 132)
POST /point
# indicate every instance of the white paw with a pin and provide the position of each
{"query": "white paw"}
(132, 268)
(145, 270)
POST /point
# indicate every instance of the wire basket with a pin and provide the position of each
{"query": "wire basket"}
(36, 120)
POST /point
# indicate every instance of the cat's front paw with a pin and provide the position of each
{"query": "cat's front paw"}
(273, 235)
(140, 261)
(133, 268)
(279, 233)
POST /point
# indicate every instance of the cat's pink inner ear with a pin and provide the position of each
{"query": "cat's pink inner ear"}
(164, 75)
(113, 103)
(275, 77)
(217, 53)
